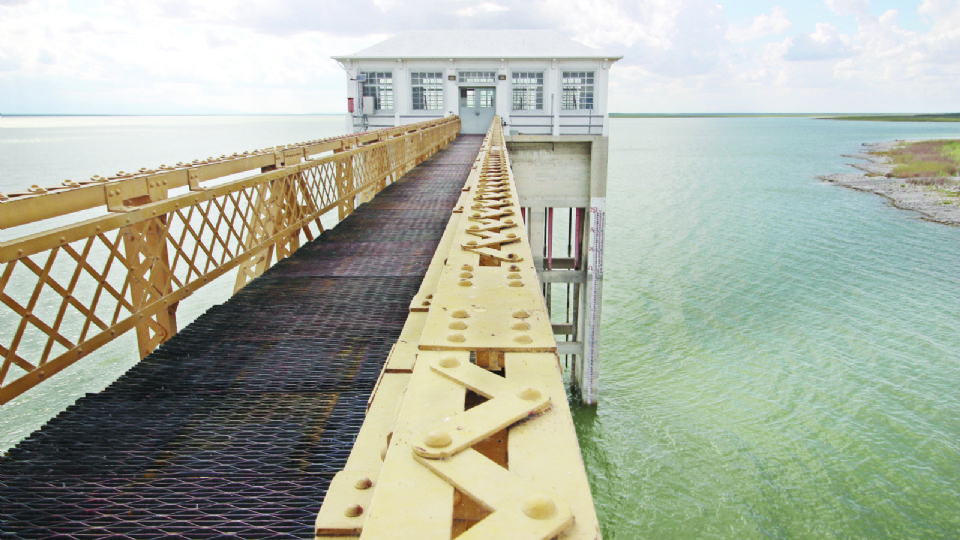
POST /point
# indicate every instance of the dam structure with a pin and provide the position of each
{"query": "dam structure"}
(398, 375)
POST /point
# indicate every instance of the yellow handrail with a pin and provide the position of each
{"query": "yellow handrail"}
(66, 291)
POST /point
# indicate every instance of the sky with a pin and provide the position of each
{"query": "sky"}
(680, 56)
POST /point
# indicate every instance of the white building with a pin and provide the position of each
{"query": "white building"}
(538, 81)
(551, 94)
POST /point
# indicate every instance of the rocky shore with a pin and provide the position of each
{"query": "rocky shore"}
(872, 178)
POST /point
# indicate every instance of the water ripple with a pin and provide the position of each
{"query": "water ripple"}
(779, 355)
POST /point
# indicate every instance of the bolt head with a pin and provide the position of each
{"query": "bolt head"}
(539, 506)
(449, 362)
(437, 438)
(364, 483)
(529, 394)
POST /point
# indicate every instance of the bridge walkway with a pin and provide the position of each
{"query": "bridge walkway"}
(236, 426)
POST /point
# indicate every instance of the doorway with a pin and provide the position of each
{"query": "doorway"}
(477, 108)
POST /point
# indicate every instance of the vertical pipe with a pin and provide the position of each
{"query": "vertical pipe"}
(549, 238)
(579, 243)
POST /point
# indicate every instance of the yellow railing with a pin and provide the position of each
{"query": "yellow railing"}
(160, 235)
(468, 433)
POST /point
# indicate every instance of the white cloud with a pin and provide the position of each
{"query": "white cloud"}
(825, 43)
(664, 36)
(137, 52)
(273, 55)
(762, 26)
(845, 8)
(483, 8)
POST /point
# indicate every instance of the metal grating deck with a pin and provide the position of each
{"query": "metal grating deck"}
(236, 426)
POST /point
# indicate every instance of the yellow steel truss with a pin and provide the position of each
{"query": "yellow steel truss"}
(468, 433)
(68, 290)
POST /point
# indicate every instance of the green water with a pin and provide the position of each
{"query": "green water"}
(780, 356)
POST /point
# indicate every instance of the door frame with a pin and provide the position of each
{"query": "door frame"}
(469, 125)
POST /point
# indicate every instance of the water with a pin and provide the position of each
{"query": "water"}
(45, 151)
(779, 355)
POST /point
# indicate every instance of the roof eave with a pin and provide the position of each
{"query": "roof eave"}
(611, 58)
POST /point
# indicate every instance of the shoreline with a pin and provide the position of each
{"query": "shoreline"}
(931, 205)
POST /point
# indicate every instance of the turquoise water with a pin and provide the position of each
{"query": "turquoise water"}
(780, 356)
(45, 150)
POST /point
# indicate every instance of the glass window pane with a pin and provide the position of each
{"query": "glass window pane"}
(379, 85)
(577, 91)
(528, 91)
(427, 90)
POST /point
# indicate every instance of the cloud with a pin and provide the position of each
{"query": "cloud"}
(846, 8)
(137, 53)
(274, 55)
(663, 36)
(358, 17)
(762, 26)
(826, 43)
(484, 8)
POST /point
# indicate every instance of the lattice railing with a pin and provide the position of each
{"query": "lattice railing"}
(160, 235)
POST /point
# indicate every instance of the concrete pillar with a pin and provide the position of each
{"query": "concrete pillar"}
(537, 221)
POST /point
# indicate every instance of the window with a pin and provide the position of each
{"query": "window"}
(379, 84)
(528, 91)
(427, 89)
(477, 97)
(478, 77)
(577, 91)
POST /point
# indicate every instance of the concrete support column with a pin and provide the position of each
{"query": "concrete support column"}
(538, 225)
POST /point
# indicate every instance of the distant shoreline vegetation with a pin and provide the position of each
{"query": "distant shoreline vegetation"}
(714, 115)
(924, 159)
(945, 117)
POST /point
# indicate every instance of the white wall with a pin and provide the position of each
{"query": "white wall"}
(549, 121)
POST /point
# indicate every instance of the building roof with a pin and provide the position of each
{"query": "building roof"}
(437, 44)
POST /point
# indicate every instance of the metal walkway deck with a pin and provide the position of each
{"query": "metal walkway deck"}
(236, 426)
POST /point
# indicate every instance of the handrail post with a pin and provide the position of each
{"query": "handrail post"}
(344, 185)
(149, 278)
